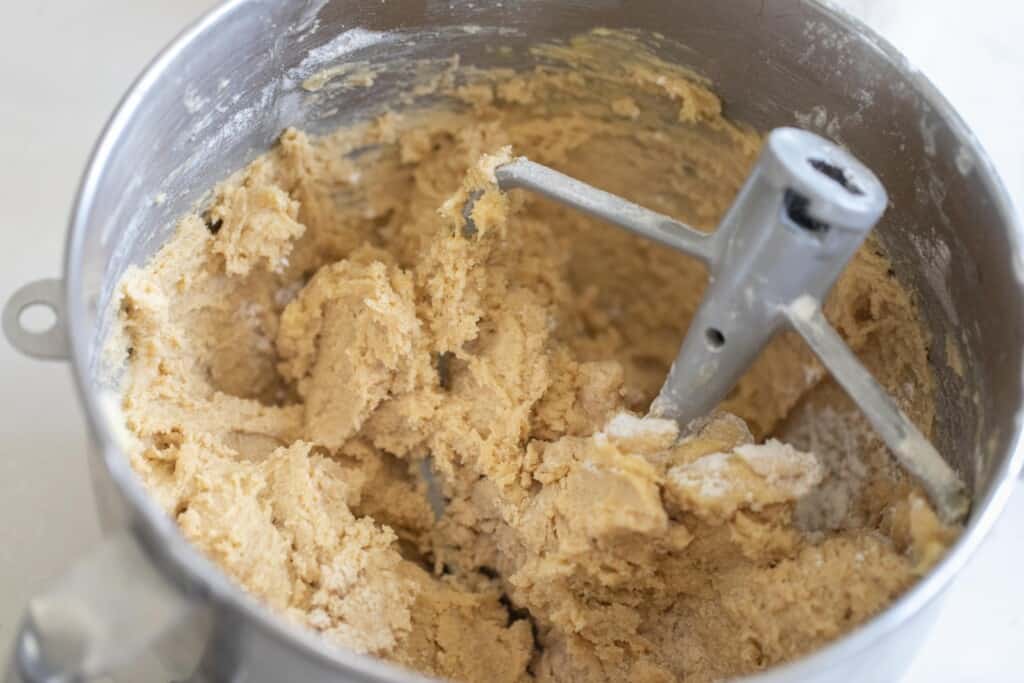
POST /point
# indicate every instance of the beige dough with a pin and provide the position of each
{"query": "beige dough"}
(297, 352)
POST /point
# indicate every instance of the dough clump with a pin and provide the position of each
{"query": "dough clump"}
(354, 310)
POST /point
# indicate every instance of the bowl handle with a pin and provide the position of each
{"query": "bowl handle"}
(49, 344)
(113, 611)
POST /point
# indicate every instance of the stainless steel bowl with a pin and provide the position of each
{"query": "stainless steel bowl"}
(222, 92)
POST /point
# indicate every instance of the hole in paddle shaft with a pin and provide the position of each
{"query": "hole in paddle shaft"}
(796, 209)
(716, 339)
(835, 173)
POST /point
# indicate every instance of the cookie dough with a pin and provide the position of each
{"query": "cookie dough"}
(330, 327)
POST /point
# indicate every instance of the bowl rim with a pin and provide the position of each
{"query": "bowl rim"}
(200, 578)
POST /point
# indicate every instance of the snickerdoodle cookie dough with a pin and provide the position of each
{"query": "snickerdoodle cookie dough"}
(328, 328)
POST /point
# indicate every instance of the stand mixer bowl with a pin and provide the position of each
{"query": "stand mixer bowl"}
(950, 230)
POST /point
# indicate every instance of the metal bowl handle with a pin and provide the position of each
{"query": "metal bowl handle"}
(49, 344)
(104, 615)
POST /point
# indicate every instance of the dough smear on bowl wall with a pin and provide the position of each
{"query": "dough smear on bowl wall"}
(325, 325)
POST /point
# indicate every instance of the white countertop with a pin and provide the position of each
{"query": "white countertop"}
(64, 65)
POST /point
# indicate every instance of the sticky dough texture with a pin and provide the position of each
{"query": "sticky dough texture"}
(298, 350)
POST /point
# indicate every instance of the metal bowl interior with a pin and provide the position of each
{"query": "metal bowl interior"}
(223, 92)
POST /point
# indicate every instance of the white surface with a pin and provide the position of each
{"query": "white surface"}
(65, 64)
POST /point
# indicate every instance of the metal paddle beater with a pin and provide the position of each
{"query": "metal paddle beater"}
(798, 219)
